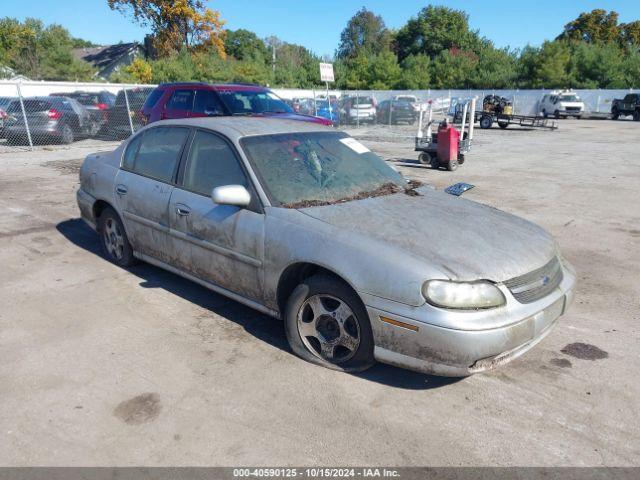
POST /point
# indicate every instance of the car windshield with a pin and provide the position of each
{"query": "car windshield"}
(242, 102)
(362, 101)
(569, 98)
(301, 170)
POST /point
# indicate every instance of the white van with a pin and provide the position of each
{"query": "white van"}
(565, 103)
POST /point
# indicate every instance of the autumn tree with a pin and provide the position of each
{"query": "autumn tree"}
(177, 24)
(595, 26)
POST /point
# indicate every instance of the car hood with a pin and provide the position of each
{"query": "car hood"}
(461, 238)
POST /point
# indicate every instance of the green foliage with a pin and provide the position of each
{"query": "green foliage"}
(242, 44)
(416, 73)
(39, 52)
(496, 68)
(454, 69)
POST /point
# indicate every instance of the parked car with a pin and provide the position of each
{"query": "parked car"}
(118, 125)
(629, 105)
(305, 223)
(97, 103)
(396, 111)
(188, 99)
(413, 101)
(59, 119)
(4, 104)
(359, 110)
(332, 114)
(562, 104)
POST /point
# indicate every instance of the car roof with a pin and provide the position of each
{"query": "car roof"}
(234, 87)
(245, 126)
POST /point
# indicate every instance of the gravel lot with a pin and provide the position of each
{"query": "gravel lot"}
(104, 366)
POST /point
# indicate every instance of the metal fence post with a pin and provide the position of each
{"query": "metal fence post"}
(357, 109)
(24, 115)
(126, 100)
(390, 110)
(315, 105)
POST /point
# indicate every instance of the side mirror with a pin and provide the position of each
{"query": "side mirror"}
(231, 195)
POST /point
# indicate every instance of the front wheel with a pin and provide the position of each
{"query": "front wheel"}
(327, 324)
(114, 240)
(66, 134)
(615, 114)
(636, 115)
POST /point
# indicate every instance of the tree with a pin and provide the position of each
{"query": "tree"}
(365, 33)
(416, 72)
(630, 34)
(242, 44)
(547, 66)
(496, 68)
(595, 26)
(39, 52)
(454, 68)
(384, 71)
(434, 30)
(597, 66)
(177, 24)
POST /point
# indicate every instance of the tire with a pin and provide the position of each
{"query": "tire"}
(435, 163)
(503, 125)
(329, 295)
(425, 158)
(66, 134)
(461, 158)
(615, 114)
(544, 113)
(636, 115)
(114, 240)
(452, 165)
(556, 114)
(486, 121)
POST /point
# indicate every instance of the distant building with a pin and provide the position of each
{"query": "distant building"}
(110, 58)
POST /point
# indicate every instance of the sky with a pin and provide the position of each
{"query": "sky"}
(317, 24)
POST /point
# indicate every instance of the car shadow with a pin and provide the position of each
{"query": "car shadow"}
(261, 326)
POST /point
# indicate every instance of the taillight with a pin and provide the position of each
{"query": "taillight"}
(53, 114)
(102, 106)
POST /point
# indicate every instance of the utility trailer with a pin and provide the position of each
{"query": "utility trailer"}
(503, 120)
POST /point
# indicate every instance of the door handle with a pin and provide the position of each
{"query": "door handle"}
(183, 211)
(121, 190)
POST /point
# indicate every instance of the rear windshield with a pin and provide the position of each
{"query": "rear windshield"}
(362, 101)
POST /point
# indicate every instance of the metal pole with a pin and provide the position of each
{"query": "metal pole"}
(390, 102)
(315, 106)
(24, 115)
(357, 110)
(126, 99)
(329, 100)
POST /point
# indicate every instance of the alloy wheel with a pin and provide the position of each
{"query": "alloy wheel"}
(113, 239)
(328, 328)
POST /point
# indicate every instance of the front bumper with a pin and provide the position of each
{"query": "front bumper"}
(409, 337)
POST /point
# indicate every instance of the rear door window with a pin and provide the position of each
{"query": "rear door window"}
(158, 153)
(181, 100)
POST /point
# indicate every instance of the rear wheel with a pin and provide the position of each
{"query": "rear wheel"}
(452, 165)
(503, 124)
(66, 134)
(615, 114)
(114, 240)
(425, 158)
(327, 324)
(556, 114)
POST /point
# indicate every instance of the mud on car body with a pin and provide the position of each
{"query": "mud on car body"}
(307, 224)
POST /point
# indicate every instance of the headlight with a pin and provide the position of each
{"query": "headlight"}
(463, 295)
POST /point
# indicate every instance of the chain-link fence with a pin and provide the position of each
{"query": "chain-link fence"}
(34, 114)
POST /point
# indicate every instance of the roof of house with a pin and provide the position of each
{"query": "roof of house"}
(102, 57)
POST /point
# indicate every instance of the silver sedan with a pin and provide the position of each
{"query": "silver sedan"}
(305, 223)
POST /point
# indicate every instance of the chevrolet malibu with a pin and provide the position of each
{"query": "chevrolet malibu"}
(305, 223)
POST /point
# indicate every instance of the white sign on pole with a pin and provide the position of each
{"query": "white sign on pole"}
(326, 72)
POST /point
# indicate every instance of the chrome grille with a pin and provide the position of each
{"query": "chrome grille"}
(537, 284)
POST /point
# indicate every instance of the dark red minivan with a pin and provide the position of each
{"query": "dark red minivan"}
(188, 99)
